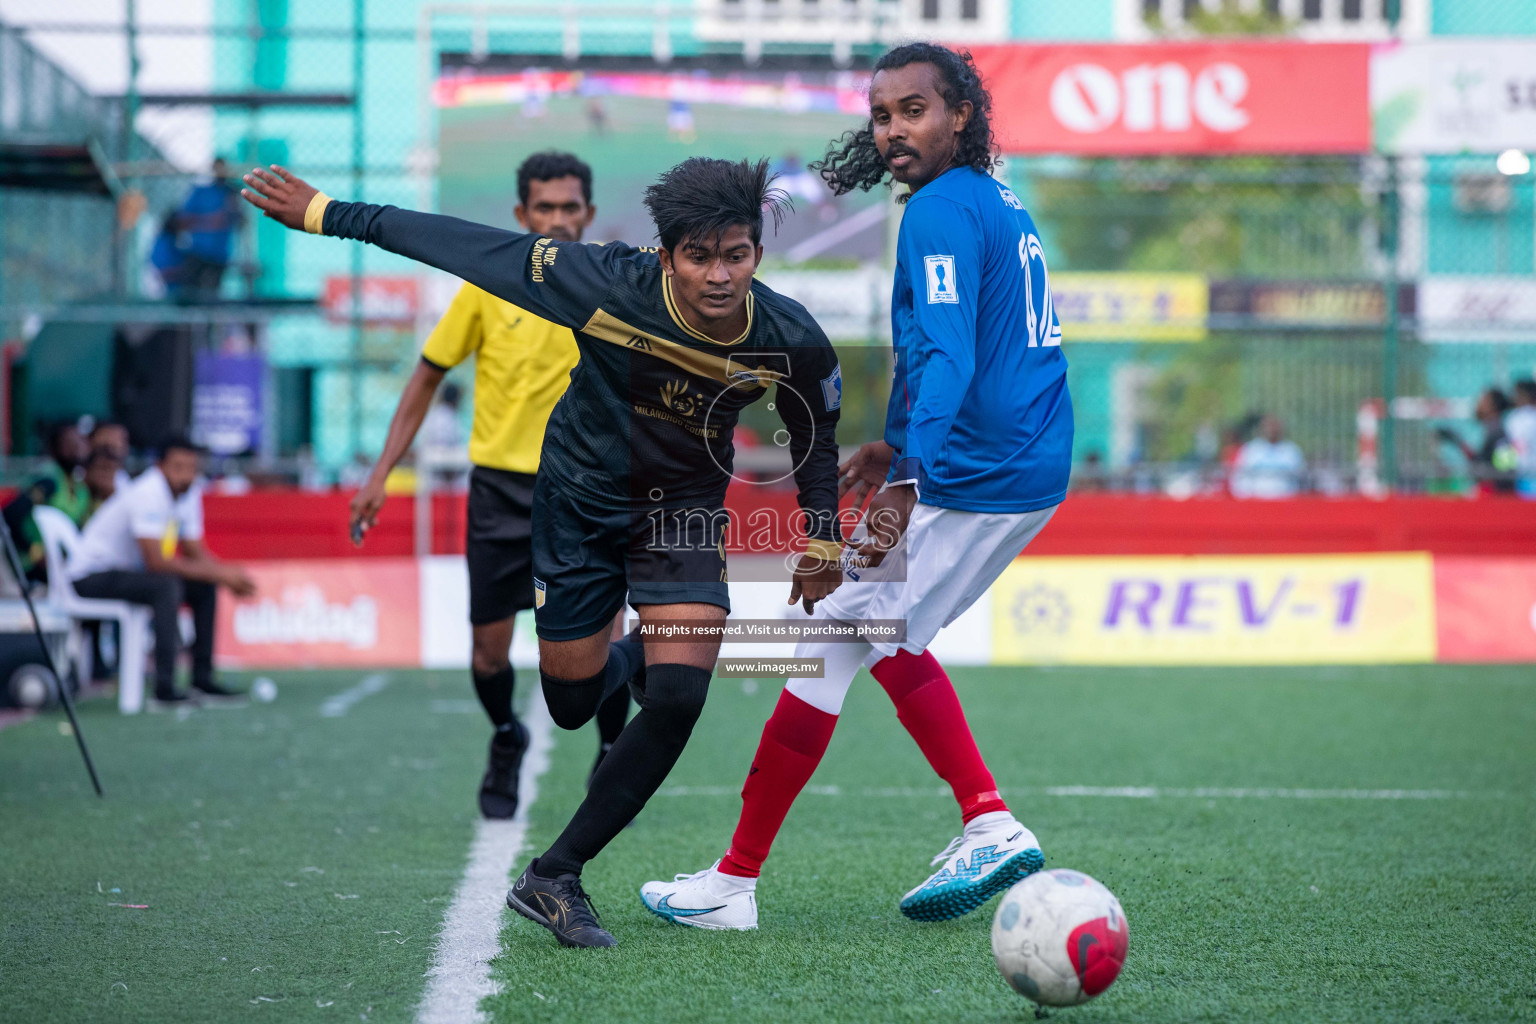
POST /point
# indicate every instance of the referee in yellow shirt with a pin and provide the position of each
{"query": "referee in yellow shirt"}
(522, 366)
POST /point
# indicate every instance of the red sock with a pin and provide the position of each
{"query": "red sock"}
(927, 705)
(793, 741)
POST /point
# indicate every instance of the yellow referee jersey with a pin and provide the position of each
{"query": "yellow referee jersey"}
(523, 364)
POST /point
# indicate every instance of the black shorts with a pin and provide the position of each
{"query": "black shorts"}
(587, 559)
(499, 544)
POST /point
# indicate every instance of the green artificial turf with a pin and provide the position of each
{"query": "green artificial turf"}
(1241, 907)
(284, 856)
(1250, 902)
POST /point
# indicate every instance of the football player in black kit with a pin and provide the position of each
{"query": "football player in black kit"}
(629, 500)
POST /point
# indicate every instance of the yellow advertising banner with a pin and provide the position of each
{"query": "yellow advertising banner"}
(1215, 610)
(1130, 307)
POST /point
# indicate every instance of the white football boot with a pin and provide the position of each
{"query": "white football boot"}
(992, 853)
(705, 899)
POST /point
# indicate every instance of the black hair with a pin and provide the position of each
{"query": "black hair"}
(549, 165)
(451, 394)
(178, 442)
(700, 198)
(1525, 389)
(57, 430)
(1501, 401)
(852, 163)
(101, 425)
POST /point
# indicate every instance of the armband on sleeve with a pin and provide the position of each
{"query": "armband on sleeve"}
(826, 550)
(314, 215)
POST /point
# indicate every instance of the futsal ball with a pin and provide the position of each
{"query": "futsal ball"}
(264, 690)
(1059, 937)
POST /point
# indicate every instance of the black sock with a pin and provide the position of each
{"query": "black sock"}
(626, 659)
(495, 693)
(573, 702)
(635, 768)
(611, 716)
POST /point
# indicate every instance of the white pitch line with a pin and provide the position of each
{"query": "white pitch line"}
(461, 975)
(339, 705)
(1123, 792)
(1218, 793)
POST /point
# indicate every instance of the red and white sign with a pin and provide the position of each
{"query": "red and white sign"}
(1194, 97)
(1485, 609)
(336, 612)
(385, 298)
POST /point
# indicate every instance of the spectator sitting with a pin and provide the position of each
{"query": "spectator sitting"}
(113, 438)
(1520, 427)
(57, 487)
(104, 476)
(146, 546)
(1492, 463)
(1269, 466)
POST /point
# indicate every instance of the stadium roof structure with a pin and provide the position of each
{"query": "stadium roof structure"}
(55, 167)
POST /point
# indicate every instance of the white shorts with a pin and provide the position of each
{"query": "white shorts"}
(946, 561)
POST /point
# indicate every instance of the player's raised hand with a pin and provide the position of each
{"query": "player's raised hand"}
(279, 194)
(865, 471)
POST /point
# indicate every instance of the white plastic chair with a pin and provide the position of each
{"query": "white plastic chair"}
(59, 540)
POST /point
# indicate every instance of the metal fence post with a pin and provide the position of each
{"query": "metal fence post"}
(126, 283)
(355, 396)
(1389, 341)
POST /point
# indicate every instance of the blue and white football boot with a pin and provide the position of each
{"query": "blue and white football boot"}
(705, 899)
(993, 853)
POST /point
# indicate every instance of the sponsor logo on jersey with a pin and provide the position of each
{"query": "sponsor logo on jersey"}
(940, 271)
(832, 390)
(761, 377)
(538, 592)
(543, 256)
(675, 397)
(1009, 199)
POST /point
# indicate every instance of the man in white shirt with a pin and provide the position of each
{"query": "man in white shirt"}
(1520, 428)
(1269, 466)
(145, 545)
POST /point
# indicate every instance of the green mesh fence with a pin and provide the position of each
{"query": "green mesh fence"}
(1197, 295)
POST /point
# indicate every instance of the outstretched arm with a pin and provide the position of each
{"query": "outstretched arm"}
(520, 268)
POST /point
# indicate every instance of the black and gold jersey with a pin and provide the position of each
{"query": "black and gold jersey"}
(653, 403)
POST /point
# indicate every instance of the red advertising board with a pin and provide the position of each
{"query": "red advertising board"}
(386, 298)
(336, 612)
(1485, 609)
(1180, 97)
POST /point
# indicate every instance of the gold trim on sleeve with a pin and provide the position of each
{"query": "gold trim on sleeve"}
(314, 214)
(826, 550)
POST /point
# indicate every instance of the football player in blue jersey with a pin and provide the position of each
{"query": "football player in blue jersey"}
(974, 462)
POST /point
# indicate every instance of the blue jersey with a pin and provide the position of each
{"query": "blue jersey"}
(979, 415)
